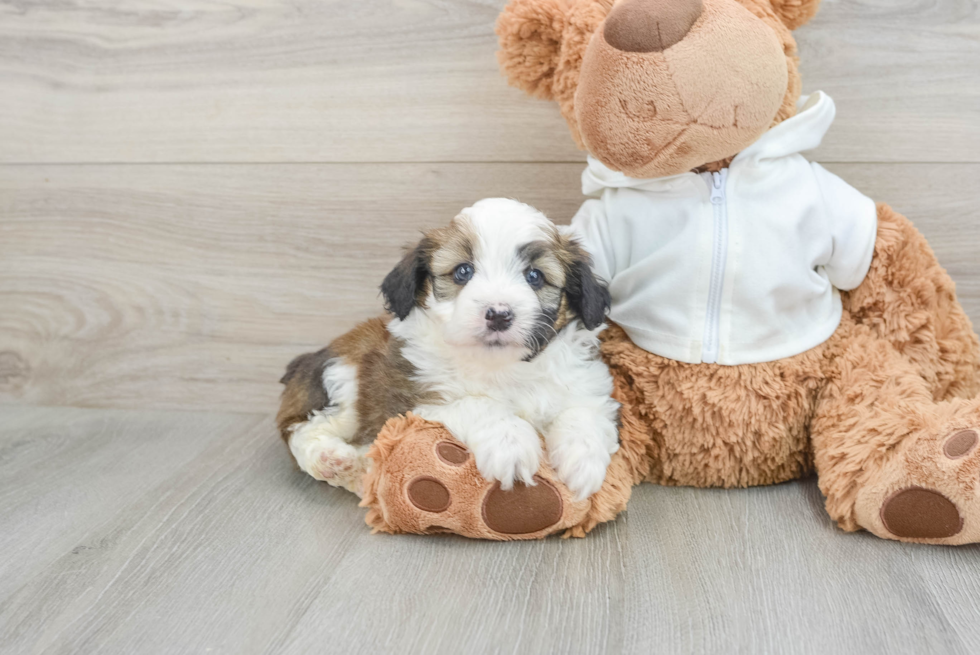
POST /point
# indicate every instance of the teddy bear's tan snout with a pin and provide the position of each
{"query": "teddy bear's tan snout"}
(650, 25)
(661, 90)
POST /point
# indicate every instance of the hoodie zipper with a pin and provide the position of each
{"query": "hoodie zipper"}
(712, 320)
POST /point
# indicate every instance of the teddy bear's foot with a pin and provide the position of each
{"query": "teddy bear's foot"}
(424, 481)
(930, 492)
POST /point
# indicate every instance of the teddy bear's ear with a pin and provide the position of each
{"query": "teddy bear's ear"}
(530, 33)
(795, 13)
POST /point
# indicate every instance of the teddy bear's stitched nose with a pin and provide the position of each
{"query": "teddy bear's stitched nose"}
(650, 25)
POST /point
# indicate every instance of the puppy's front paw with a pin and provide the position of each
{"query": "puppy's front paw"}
(507, 451)
(579, 463)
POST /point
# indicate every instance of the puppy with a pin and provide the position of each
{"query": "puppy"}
(493, 334)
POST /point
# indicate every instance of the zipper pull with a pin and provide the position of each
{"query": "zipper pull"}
(717, 189)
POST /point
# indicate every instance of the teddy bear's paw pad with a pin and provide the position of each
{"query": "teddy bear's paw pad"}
(917, 513)
(961, 444)
(523, 509)
(429, 495)
(452, 454)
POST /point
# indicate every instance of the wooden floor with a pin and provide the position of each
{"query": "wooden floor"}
(194, 191)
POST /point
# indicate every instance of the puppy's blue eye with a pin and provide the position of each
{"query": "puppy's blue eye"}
(463, 273)
(535, 278)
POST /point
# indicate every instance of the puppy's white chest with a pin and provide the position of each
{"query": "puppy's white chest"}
(531, 396)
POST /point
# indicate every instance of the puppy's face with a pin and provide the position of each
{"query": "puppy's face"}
(500, 277)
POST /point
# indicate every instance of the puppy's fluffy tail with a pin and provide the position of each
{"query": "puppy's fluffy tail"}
(304, 392)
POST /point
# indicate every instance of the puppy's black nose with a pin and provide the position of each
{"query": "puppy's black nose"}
(499, 319)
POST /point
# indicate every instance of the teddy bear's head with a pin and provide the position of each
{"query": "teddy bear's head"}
(658, 87)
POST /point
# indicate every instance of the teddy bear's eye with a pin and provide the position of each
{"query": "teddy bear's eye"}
(463, 273)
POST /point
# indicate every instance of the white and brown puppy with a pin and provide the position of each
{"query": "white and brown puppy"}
(494, 335)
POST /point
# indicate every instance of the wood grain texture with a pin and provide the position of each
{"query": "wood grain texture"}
(192, 286)
(131, 280)
(217, 544)
(412, 80)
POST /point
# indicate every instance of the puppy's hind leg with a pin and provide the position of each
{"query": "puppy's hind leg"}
(318, 419)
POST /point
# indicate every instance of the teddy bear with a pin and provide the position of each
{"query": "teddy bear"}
(768, 322)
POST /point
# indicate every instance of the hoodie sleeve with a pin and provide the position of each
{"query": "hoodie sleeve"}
(591, 227)
(853, 223)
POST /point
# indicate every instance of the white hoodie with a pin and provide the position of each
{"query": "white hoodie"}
(737, 267)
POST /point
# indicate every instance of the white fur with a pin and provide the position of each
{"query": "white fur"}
(320, 444)
(493, 400)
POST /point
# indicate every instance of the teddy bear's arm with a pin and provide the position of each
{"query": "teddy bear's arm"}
(852, 220)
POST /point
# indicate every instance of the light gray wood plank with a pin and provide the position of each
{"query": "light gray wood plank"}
(231, 534)
(765, 570)
(192, 286)
(226, 548)
(902, 75)
(412, 80)
(77, 470)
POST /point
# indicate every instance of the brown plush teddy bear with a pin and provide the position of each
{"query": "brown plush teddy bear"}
(727, 254)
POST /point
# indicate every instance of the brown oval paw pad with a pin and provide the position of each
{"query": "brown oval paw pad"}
(523, 509)
(428, 494)
(960, 444)
(452, 454)
(917, 513)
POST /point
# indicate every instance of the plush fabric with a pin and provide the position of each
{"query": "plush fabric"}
(885, 411)
(407, 451)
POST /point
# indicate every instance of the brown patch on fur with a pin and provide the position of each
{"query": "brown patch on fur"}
(565, 314)
(365, 338)
(386, 387)
(545, 256)
(429, 266)
(304, 392)
(569, 290)
(447, 248)
(568, 253)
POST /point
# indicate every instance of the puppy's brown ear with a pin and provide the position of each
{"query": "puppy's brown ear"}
(587, 295)
(405, 287)
(795, 13)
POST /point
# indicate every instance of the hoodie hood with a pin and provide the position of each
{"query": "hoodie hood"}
(802, 132)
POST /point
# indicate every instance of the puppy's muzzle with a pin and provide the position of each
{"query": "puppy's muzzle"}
(499, 318)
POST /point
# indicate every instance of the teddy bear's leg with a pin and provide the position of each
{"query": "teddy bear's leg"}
(909, 300)
(422, 480)
(891, 459)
